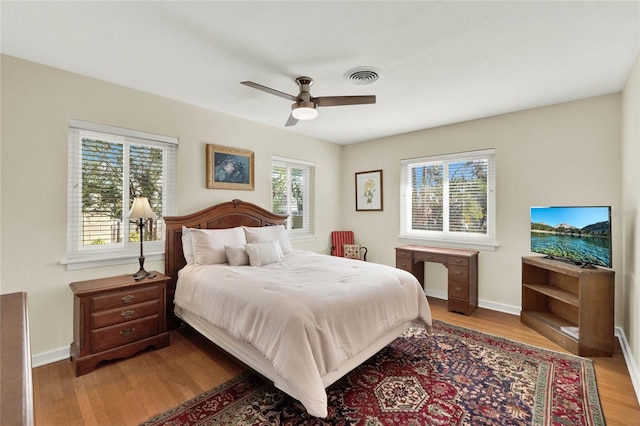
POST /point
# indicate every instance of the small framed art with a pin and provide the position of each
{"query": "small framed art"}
(369, 190)
(229, 168)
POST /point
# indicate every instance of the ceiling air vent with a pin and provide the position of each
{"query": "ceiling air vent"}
(362, 75)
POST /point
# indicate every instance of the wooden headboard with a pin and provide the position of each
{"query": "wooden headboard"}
(220, 216)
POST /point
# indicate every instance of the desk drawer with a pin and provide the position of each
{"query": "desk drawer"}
(458, 290)
(403, 254)
(116, 316)
(403, 264)
(458, 261)
(457, 305)
(121, 334)
(429, 257)
(459, 274)
(123, 298)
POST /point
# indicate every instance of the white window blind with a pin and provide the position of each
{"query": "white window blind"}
(108, 167)
(292, 193)
(449, 198)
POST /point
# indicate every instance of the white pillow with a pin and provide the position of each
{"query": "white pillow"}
(237, 255)
(187, 245)
(264, 253)
(209, 244)
(269, 233)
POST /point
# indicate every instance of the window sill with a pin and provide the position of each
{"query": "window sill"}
(102, 261)
(468, 245)
(302, 238)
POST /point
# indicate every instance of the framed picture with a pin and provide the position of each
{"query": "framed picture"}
(229, 168)
(369, 190)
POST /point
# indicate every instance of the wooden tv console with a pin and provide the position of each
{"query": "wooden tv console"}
(559, 297)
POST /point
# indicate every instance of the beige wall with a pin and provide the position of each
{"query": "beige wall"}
(567, 154)
(630, 293)
(37, 102)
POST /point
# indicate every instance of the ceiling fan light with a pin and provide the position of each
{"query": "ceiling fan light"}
(304, 113)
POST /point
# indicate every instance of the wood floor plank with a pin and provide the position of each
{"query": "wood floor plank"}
(130, 391)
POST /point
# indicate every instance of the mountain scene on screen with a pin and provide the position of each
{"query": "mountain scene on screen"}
(589, 244)
(600, 229)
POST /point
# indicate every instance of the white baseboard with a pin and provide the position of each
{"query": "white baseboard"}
(629, 360)
(45, 358)
(437, 294)
(507, 309)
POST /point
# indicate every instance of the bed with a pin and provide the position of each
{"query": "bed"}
(303, 320)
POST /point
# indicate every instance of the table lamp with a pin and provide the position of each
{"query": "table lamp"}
(141, 210)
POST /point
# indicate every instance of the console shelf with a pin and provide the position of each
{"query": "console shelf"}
(565, 296)
(558, 295)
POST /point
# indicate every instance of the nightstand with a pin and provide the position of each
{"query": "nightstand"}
(116, 317)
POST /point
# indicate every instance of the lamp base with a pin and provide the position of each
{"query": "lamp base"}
(141, 274)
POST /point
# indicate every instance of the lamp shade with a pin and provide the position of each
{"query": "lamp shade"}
(141, 209)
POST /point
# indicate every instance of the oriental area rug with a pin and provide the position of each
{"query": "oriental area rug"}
(454, 376)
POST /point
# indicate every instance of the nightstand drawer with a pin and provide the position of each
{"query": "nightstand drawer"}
(129, 313)
(118, 335)
(124, 298)
(459, 274)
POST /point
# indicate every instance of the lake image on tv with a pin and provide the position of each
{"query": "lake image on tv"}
(585, 249)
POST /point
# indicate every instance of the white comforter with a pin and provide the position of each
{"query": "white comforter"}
(307, 313)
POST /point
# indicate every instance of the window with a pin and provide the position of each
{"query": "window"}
(449, 198)
(108, 167)
(292, 193)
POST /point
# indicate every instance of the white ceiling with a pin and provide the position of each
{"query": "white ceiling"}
(440, 62)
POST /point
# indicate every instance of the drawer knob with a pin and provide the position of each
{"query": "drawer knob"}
(128, 298)
(127, 332)
(429, 256)
(127, 314)
(458, 289)
(458, 273)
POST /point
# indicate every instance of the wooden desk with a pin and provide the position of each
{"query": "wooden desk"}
(462, 266)
(15, 359)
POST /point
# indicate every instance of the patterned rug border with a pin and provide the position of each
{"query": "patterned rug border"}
(479, 337)
(249, 375)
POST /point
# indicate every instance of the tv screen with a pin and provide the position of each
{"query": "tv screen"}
(578, 234)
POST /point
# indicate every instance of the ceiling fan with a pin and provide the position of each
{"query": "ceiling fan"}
(304, 105)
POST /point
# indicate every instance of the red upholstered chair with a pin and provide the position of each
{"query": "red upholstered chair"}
(342, 245)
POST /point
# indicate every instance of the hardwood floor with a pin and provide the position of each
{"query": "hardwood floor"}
(130, 391)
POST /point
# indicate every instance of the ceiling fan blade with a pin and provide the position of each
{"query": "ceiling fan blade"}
(270, 90)
(291, 121)
(344, 100)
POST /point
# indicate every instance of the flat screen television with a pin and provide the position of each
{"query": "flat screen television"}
(576, 234)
